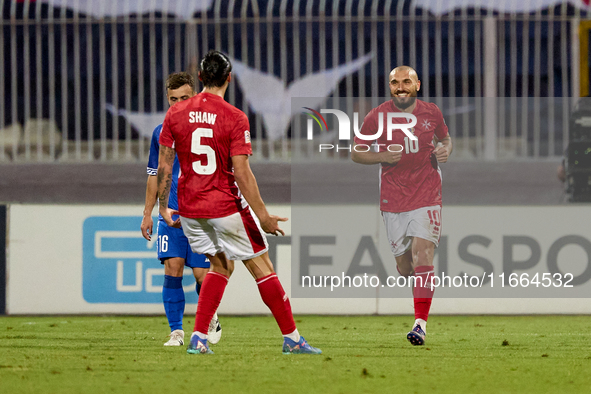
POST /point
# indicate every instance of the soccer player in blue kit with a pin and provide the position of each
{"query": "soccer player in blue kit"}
(174, 250)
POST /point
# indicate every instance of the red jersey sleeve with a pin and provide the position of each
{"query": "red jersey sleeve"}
(369, 127)
(441, 130)
(240, 137)
(166, 137)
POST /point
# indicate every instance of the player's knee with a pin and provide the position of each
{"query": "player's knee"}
(422, 255)
(220, 264)
(406, 272)
(230, 267)
(224, 270)
(174, 266)
(259, 266)
(199, 274)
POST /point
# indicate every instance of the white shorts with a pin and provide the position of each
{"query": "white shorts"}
(401, 227)
(239, 235)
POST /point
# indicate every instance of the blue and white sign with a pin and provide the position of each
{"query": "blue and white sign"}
(97, 249)
(120, 266)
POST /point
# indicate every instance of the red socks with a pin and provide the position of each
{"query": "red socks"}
(212, 290)
(275, 298)
(423, 293)
(271, 291)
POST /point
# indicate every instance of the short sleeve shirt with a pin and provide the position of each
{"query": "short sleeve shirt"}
(415, 181)
(206, 132)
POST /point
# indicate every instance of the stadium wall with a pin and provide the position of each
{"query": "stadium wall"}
(91, 259)
(3, 227)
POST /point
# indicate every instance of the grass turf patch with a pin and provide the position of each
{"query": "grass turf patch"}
(485, 354)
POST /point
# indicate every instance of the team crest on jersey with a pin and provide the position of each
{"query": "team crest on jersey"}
(247, 136)
(426, 125)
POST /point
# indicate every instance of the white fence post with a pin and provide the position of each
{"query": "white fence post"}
(490, 87)
(575, 60)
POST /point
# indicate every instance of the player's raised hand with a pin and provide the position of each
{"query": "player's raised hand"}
(441, 153)
(271, 225)
(147, 227)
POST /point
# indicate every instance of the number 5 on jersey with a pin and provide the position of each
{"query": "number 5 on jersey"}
(207, 150)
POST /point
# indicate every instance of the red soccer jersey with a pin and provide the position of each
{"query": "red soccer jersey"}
(415, 181)
(206, 132)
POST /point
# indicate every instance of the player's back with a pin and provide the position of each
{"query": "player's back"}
(207, 131)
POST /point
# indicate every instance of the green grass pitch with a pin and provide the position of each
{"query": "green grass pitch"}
(361, 354)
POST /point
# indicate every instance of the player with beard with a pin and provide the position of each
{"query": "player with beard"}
(410, 186)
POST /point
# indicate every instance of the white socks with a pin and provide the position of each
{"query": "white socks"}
(200, 335)
(294, 336)
(422, 323)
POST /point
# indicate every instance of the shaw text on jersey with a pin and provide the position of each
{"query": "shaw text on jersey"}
(202, 117)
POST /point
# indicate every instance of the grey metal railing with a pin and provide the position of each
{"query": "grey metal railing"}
(81, 87)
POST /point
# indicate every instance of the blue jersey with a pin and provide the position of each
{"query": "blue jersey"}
(153, 169)
(171, 241)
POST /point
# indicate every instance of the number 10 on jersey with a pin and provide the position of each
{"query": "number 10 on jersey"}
(411, 146)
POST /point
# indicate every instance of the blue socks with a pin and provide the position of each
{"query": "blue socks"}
(173, 297)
